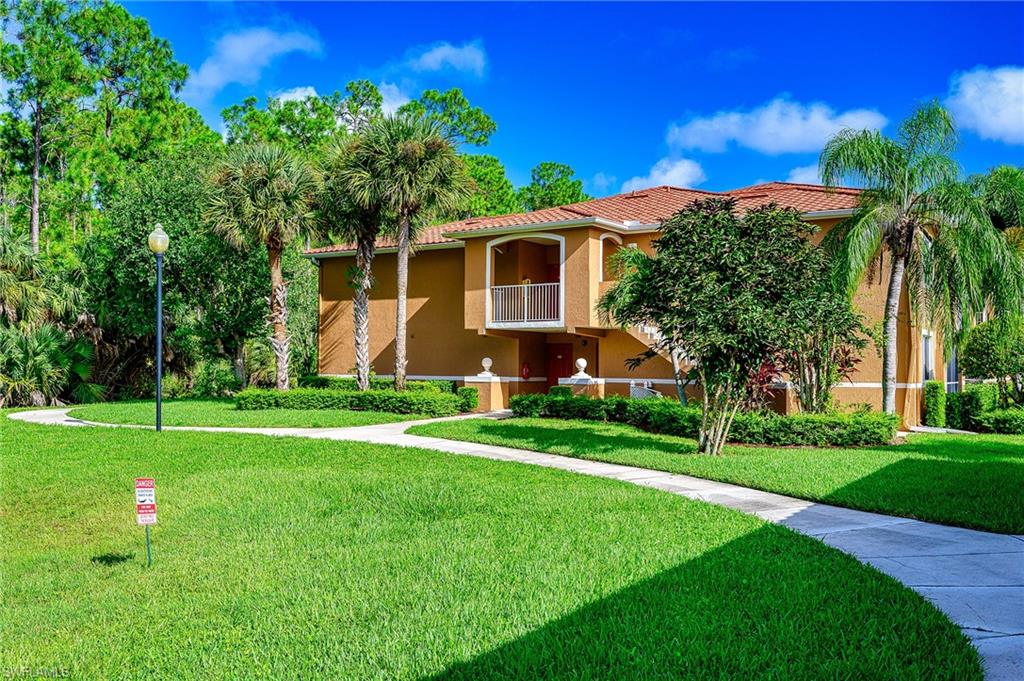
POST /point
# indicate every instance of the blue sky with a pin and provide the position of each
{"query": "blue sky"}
(714, 96)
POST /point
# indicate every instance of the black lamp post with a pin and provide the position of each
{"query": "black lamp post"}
(158, 244)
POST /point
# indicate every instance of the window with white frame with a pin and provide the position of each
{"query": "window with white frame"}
(928, 355)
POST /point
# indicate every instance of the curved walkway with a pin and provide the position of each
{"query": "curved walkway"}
(976, 578)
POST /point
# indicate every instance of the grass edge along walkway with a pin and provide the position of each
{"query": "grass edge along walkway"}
(964, 481)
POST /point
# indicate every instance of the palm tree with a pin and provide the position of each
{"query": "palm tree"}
(263, 193)
(939, 238)
(410, 164)
(359, 222)
(30, 292)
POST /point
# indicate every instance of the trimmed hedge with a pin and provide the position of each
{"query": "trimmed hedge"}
(976, 400)
(671, 418)
(1005, 421)
(470, 398)
(345, 383)
(954, 411)
(426, 402)
(935, 404)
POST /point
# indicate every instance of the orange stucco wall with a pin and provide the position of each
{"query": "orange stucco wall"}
(448, 312)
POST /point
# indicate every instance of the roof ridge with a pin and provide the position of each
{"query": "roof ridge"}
(805, 185)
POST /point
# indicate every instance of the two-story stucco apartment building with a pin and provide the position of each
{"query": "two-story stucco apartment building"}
(521, 289)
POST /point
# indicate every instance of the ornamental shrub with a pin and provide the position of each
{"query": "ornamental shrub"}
(1005, 421)
(935, 404)
(975, 400)
(671, 418)
(954, 411)
(346, 383)
(560, 391)
(469, 398)
(995, 350)
(426, 402)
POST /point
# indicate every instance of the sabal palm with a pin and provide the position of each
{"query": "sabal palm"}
(358, 222)
(264, 194)
(939, 238)
(39, 363)
(409, 165)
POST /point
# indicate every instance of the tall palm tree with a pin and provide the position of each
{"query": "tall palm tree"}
(411, 164)
(358, 222)
(939, 238)
(263, 193)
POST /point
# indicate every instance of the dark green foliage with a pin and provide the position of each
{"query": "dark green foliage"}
(214, 295)
(470, 397)
(975, 400)
(746, 279)
(954, 411)
(670, 418)
(560, 391)
(214, 378)
(995, 350)
(551, 184)
(935, 404)
(1005, 421)
(345, 383)
(426, 402)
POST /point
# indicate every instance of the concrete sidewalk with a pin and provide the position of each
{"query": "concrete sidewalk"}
(976, 578)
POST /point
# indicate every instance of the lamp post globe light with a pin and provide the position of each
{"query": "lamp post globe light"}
(158, 242)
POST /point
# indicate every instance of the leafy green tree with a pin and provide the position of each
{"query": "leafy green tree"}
(743, 280)
(359, 220)
(493, 193)
(829, 336)
(995, 350)
(551, 184)
(46, 76)
(307, 124)
(265, 194)
(462, 122)
(214, 294)
(129, 66)
(936, 231)
(411, 163)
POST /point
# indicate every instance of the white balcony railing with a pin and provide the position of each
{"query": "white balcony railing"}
(526, 303)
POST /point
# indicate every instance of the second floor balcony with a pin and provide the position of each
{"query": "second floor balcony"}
(526, 305)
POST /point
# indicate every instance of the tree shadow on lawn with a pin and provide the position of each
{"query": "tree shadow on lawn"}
(768, 604)
(583, 438)
(963, 447)
(953, 493)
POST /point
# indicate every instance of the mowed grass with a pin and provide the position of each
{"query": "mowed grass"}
(970, 481)
(296, 558)
(222, 413)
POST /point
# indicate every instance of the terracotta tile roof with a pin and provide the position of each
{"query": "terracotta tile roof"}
(644, 206)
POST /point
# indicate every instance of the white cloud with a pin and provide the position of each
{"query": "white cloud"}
(990, 102)
(776, 127)
(240, 57)
(678, 172)
(602, 181)
(295, 94)
(805, 175)
(393, 96)
(469, 57)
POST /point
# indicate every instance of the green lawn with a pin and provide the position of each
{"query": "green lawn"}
(296, 558)
(223, 413)
(972, 481)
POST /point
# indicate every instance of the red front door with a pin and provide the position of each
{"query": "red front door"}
(559, 362)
